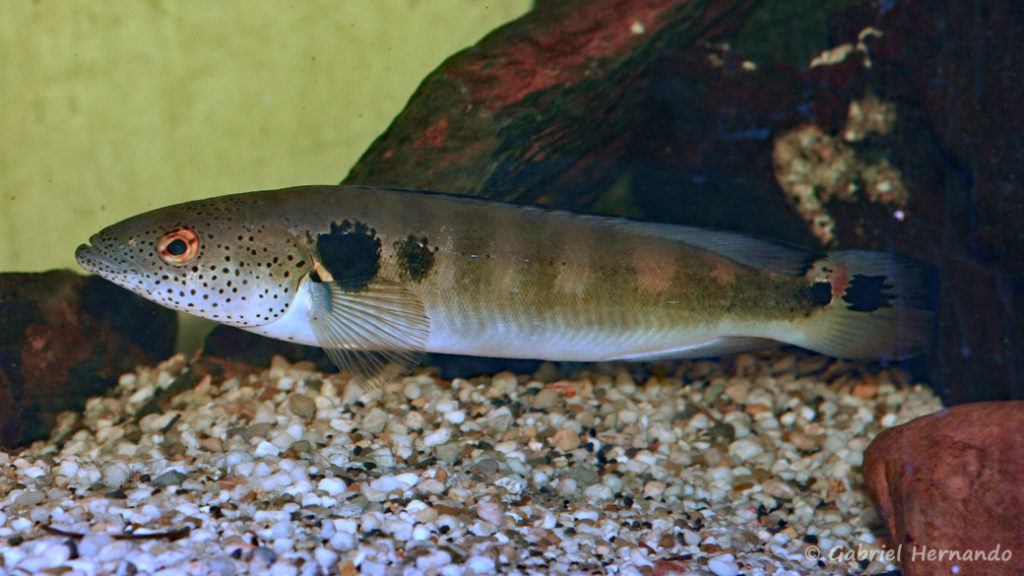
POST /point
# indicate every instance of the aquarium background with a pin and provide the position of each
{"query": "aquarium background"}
(113, 108)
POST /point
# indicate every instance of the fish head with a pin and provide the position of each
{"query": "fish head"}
(218, 259)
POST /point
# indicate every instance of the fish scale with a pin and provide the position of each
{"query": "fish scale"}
(373, 275)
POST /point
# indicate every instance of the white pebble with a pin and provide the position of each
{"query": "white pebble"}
(325, 558)
(700, 421)
(445, 405)
(68, 469)
(141, 395)
(332, 486)
(438, 437)
(597, 492)
(433, 560)
(567, 487)
(491, 511)
(412, 390)
(112, 551)
(409, 479)
(480, 564)
(653, 489)
(276, 482)
(745, 449)
(400, 530)
(723, 565)
(92, 543)
(455, 416)
(265, 448)
(628, 417)
(115, 474)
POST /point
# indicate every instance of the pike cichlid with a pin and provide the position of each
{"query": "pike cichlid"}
(375, 276)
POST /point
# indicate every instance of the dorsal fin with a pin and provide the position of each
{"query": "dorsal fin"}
(760, 253)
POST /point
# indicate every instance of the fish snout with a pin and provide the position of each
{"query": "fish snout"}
(91, 259)
(97, 258)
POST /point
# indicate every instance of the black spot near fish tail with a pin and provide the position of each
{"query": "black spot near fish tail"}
(821, 293)
(415, 258)
(351, 254)
(868, 293)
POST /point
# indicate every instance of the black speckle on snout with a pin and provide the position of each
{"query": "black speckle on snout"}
(415, 258)
(868, 293)
(351, 253)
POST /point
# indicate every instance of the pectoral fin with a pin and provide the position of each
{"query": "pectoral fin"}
(374, 333)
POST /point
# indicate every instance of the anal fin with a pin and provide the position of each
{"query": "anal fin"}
(717, 347)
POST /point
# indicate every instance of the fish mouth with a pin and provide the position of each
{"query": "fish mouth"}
(94, 258)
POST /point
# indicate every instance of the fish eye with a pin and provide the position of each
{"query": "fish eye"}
(178, 247)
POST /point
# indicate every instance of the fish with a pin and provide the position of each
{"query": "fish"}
(378, 276)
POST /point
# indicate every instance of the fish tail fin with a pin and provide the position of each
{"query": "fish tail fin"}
(882, 305)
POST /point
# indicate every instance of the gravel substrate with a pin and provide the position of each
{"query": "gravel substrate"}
(747, 465)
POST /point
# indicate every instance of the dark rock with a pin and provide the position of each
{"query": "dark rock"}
(169, 478)
(946, 61)
(265, 554)
(952, 481)
(64, 338)
(239, 348)
(533, 103)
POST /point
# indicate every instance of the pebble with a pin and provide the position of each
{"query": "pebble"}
(724, 565)
(294, 472)
(332, 486)
(745, 449)
(492, 512)
(27, 499)
(566, 440)
(302, 406)
(169, 478)
(438, 437)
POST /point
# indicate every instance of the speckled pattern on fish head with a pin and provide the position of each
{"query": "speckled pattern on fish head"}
(219, 259)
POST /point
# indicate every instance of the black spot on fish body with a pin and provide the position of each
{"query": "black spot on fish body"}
(821, 293)
(350, 253)
(868, 293)
(415, 258)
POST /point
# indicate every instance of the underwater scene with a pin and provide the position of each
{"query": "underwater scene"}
(643, 287)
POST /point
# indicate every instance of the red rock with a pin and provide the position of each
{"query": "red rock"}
(64, 338)
(951, 483)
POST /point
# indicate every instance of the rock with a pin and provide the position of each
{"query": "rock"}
(169, 478)
(236, 348)
(566, 440)
(302, 406)
(64, 338)
(951, 481)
